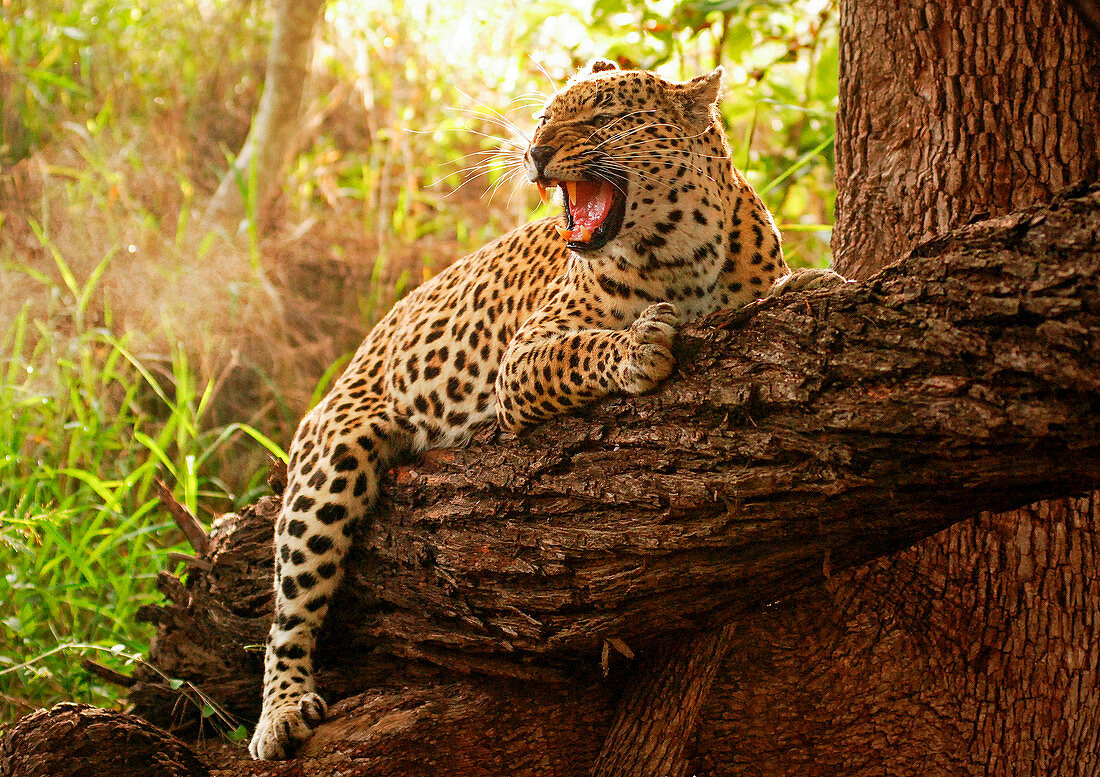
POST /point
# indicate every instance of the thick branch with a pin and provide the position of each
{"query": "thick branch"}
(830, 429)
(822, 431)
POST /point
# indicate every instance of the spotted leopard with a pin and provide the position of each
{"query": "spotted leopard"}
(658, 227)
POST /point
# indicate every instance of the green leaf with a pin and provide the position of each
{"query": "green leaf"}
(802, 160)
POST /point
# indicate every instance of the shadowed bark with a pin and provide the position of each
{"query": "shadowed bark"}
(1089, 11)
(972, 653)
(77, 740)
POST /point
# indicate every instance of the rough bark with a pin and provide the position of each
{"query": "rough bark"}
(829, 429)
(271, 136)
(954, 110)
(657, 716)
(976, 651)
(77, 740)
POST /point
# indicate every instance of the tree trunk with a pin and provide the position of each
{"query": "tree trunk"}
(270, 139)
(497, 583)
(956, 110)
(976, 651)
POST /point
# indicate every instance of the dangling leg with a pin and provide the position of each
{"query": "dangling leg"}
(333, 479)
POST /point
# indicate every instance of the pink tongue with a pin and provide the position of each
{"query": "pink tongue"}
(591, 205)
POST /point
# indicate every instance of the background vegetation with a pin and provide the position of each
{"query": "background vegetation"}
(135, 343)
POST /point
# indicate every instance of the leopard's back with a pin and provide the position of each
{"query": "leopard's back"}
(434, 357)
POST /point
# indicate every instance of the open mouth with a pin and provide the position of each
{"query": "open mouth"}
(593, 212)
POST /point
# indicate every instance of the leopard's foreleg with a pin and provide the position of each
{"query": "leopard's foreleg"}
(548, 371)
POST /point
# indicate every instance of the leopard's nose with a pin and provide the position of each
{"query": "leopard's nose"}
(540, 156)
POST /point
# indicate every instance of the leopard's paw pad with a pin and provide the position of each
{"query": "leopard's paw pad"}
(283, 729)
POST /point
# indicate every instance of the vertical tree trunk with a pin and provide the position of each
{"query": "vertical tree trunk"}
(1089, 11)
(272, 132)
(954, 110)
(976, 651)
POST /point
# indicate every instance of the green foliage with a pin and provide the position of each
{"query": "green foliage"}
(68, 60)
(87, 427)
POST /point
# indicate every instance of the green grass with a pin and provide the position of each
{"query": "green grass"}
(86, 427)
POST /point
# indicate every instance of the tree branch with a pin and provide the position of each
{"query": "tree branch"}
(807, 435)
(829, 429)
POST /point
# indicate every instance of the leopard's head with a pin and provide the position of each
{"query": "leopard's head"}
(634, 156)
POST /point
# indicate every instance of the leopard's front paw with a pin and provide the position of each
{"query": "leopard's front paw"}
(282, 729)
(649, 358)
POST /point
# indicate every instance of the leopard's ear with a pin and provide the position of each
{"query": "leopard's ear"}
(699, 96)
(599, 66)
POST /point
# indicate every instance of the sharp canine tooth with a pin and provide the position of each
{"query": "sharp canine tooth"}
(562, 231)
(571, 186)
(543, 194)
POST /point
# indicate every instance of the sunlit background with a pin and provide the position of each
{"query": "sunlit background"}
(135, 344)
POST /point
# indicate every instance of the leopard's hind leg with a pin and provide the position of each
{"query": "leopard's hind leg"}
(332, 480)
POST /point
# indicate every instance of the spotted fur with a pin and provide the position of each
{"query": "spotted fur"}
(524, 329)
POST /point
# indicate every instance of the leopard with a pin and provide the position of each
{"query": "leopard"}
(657, 227)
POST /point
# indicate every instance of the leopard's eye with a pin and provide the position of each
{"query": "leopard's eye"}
(600, 119)
(542, 119)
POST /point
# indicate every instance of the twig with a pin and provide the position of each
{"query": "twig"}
(191, 561)
(277, 478)
(191, 527)
(106, 673)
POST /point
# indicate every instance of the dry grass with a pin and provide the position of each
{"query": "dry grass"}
(276, 314)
